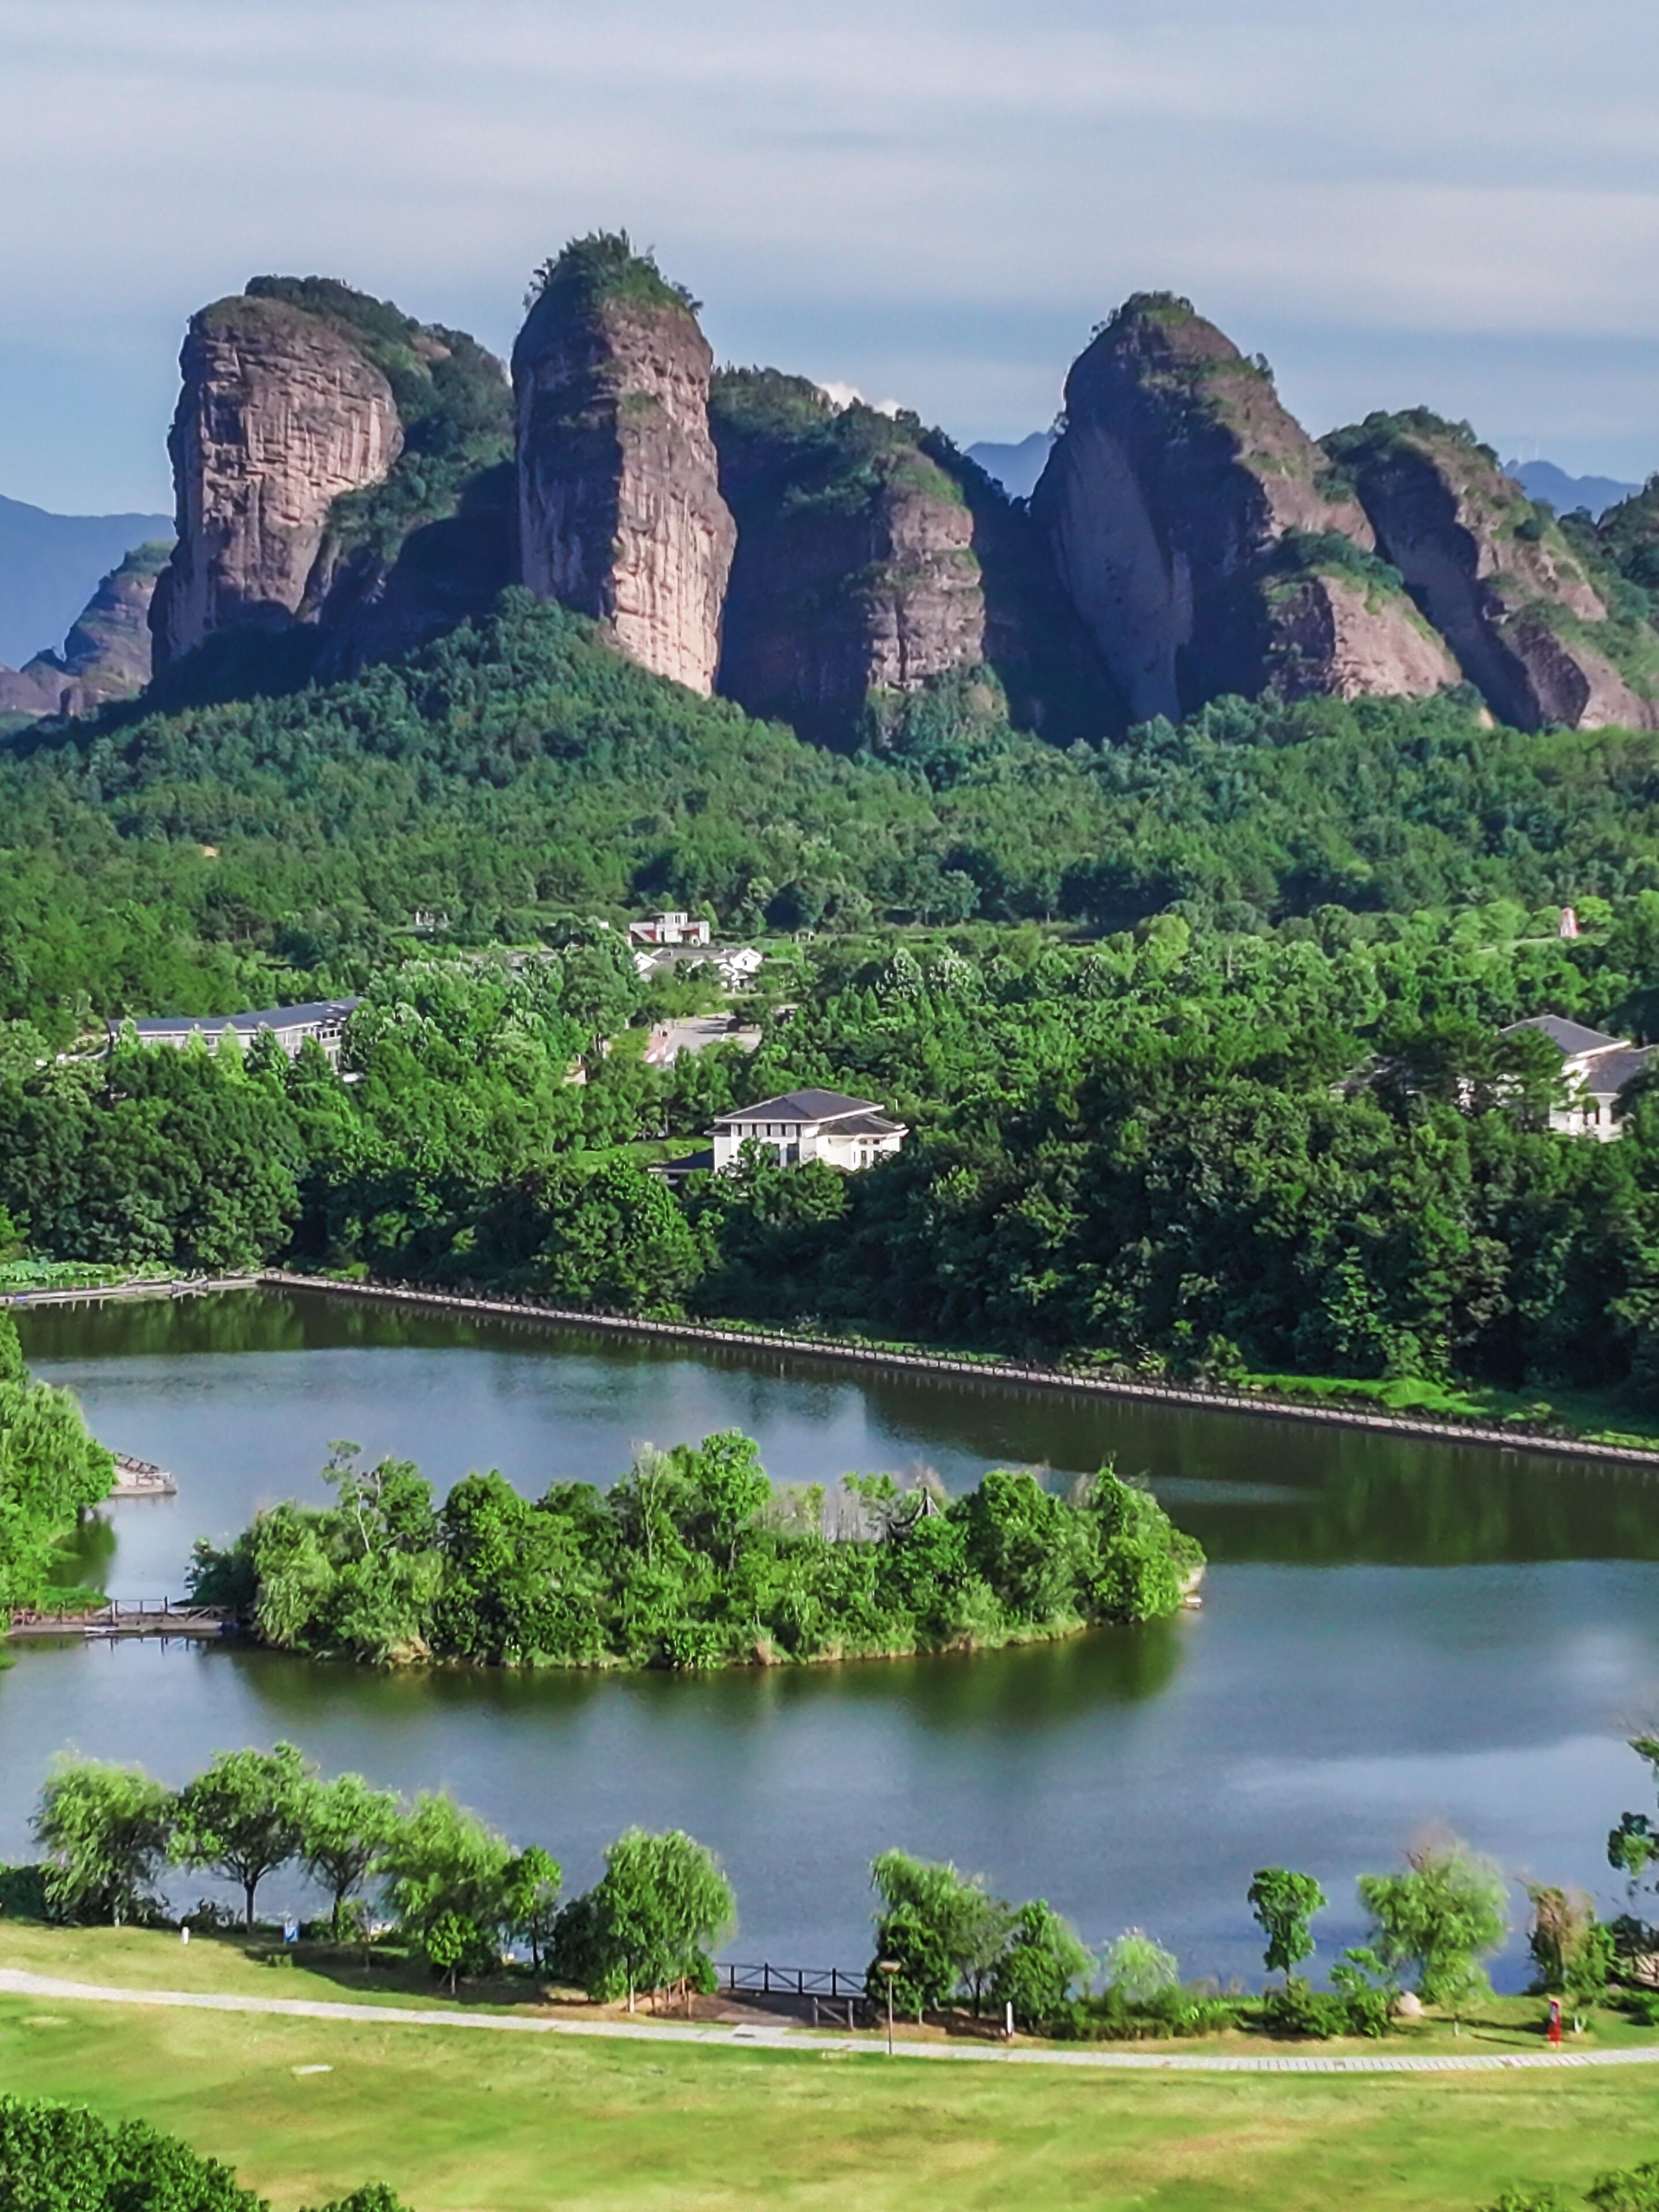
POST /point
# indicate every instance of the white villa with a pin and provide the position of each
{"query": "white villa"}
(325, 1020)
(668, 929)
(1595, 1066)
(810, 1124)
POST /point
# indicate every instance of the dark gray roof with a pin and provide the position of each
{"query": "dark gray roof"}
(1570, 1038)
(310, 1016)
(868, 1125)
(1610, 1071)
(804, 1106)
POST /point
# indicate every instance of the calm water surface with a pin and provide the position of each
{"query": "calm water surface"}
(1393, 1634)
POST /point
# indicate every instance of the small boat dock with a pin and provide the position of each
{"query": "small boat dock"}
(140, 1477)
(124, 1617)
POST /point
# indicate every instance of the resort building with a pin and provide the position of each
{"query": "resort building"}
(324, 1021)
(810, 1124)
(668, 929)
(1596, 1068)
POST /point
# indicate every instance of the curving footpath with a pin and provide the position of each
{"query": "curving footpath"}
(15, 1983)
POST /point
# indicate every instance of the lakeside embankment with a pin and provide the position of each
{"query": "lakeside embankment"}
(856, 1352)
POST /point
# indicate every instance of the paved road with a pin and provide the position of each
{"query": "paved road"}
(14, 1982)
(695, 1033)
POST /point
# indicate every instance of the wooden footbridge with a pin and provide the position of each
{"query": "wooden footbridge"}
(122, 1617)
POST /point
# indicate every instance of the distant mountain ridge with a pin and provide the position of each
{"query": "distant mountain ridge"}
(51, 564)
(1565, 493)
(1016, 468)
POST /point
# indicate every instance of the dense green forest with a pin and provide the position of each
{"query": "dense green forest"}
(1308, 1149)
(1196, 1031)
(692, 1559)
(518, 772)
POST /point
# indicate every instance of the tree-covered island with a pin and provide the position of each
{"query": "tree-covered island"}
(693, 1559)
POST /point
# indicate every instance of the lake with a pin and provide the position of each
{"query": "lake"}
(1395, 1634)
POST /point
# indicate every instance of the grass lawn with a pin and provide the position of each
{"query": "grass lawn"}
(460, 2123)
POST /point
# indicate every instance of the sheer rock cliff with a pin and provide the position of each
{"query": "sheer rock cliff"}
(1496, 576)
(279, 416)
(619, 507)
(107, 654)
(1202, 535)
(872, 559)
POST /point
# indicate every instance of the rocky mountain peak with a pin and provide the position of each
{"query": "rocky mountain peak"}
(1529, 624)
(281, 413)
(1178, 504)
(873, 559)
(619, 507)
(322, 438)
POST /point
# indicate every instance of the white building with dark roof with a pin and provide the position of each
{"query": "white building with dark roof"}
(322, 1021)
(1596, 1068)
(811, 1125)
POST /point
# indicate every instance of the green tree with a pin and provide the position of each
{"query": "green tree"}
(1631, 2189)
(1633, 1845)
(1284, 1904)
(344, 1827)
(1139, 1968)
(245, 1816)
(725, 1490)
(944, 1929)
(446, 1875)
(61, 2158)
(653, 1919)
(1571, 1949)
(104, 1830)
(530, 1894)
(51, 1471)
(372, 2197)
(1039, 1964)
(1438, 1919)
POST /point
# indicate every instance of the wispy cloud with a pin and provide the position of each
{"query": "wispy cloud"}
(935, 201)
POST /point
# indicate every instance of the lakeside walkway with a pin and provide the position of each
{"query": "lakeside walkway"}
(14, 1982)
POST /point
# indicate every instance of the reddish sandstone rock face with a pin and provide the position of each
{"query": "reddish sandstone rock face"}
(1336, 637)
(1495, 575)
(620, 511)
(279, 416)
(34, 691)
(856, 570)
(1177, 502)
(873, 559)
(107, 651)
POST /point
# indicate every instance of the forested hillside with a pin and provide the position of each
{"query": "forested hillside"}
(1308, 1149)
(1243, 1104)
(520, 771)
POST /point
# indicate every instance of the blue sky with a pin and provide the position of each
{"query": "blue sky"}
(1455, 204)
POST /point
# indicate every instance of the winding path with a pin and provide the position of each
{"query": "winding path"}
(15, 1983)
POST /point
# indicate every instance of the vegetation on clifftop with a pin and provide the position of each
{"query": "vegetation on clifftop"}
(603, 266)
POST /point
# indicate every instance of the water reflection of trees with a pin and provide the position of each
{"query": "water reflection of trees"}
(1357, 1496)
(1444, 1509)
(83, 1562)
(1039, 1686)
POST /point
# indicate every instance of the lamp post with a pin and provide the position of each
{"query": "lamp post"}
(889, 1967)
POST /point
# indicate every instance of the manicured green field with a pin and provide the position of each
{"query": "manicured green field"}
(476, 2123)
